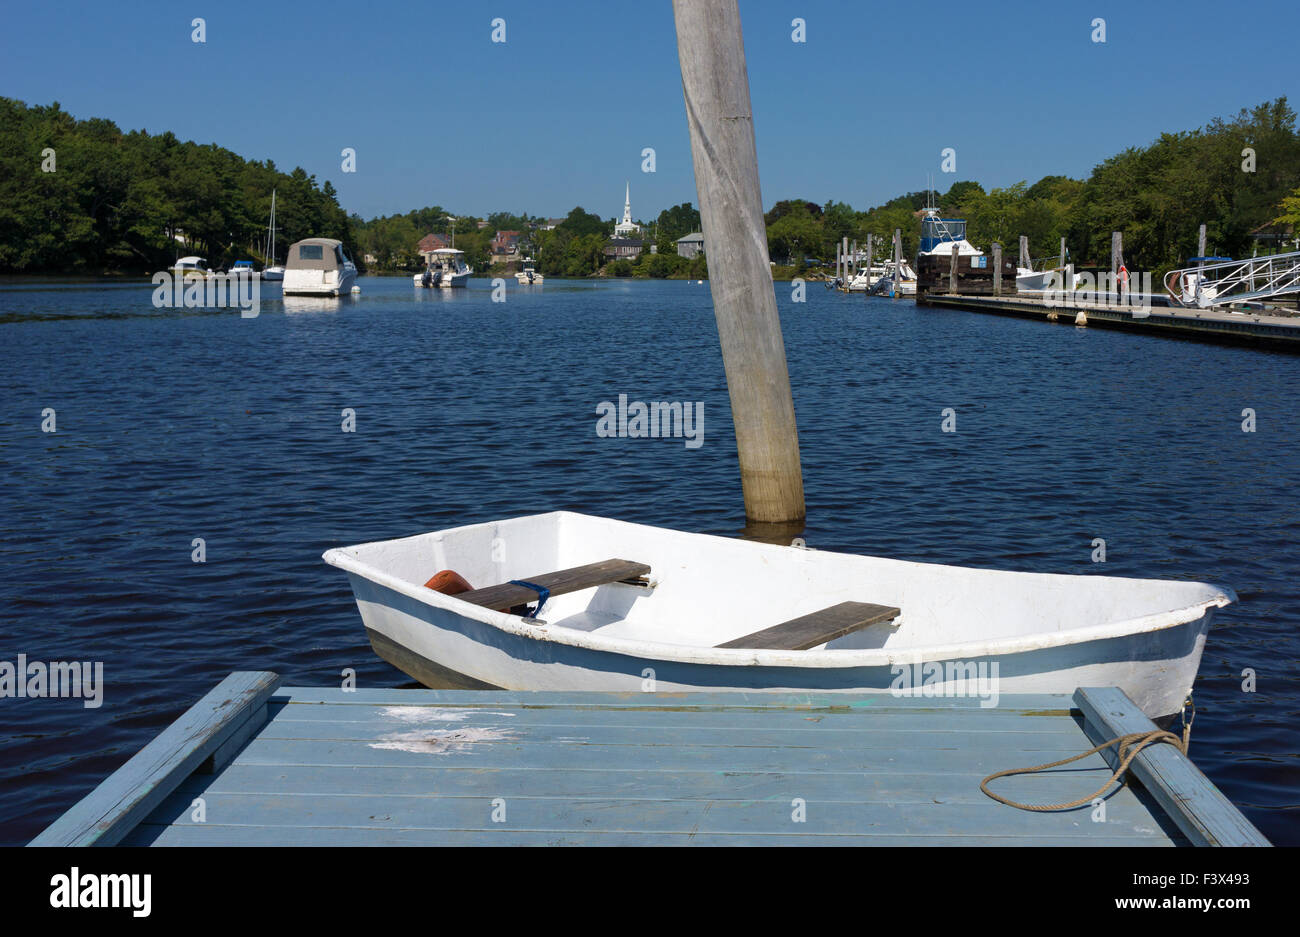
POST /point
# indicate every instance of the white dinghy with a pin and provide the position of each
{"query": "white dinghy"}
(629, 607)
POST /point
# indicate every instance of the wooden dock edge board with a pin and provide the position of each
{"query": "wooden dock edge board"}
(1187, 796)
(1278, 338)
(128, 795)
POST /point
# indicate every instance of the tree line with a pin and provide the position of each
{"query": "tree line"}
(82, 196)
(1240, 177)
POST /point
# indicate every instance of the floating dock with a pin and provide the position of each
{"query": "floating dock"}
(255, 764)
(1258, 329)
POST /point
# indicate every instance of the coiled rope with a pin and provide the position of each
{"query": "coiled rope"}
(1130, 746)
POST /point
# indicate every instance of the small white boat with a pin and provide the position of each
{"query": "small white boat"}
(864, 279)
(1039, 281)
(529, 276)
(696, 612)
(191, 267)
(318, 267)
(874, 281)
(446, 269)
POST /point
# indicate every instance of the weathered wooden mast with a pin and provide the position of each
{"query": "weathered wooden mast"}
(715, 84)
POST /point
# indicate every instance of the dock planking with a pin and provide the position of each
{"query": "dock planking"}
(448, 767)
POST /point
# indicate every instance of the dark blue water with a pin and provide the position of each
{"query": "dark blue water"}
(179, 424)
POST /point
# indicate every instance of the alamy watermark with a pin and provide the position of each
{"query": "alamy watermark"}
(78, 889)
(657, 419)
(82, 680)
(176, 289)
(970, 679)
(1111, 289)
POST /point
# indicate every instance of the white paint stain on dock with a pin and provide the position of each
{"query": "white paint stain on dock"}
(442, 741)
(419, 714)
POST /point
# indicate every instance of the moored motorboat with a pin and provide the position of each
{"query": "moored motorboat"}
(886, 279)
(446, 268)
(191, 267)
(318, 267)
(627, 603)
(529, 276)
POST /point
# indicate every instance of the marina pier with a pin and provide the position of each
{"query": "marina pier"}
(1253, 328)
(253, 763)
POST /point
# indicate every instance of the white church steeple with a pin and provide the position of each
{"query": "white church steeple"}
(627, 228)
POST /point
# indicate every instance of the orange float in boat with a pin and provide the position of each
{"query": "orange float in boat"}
(448, 582)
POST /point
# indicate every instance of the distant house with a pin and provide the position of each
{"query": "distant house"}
(552, 224)
(623, 249)
(505, 247)
(690, 246)
(430, 243)
(506, 242)
(482, 225)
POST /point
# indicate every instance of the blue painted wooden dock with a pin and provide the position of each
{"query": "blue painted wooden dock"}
(255, 764)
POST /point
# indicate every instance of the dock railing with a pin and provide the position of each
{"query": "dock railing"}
(1235, 281)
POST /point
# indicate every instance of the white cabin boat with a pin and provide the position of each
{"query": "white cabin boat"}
(939, 235)
(529, 276)
(696, 612)
(318, 267)
(191, 267)
(446, 269)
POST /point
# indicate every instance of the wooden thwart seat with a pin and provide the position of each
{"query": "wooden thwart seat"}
(562, 582)
(808, 631)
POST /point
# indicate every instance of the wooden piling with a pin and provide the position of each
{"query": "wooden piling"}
(1200, 264)
(1116, 249)
(854, 255)
(952, 272)
(1026, 262)
(869, 256)
(715, 87)
(898, 262)
(997, 269)
(1061, 265)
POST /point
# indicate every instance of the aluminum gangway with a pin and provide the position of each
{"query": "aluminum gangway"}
(1224, 281)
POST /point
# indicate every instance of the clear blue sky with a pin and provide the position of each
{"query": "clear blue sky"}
(557, 116)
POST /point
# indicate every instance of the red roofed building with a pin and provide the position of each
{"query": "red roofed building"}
(430, 243)
(506, 242)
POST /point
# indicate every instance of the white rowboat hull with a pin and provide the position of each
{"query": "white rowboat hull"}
(1025, 632)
